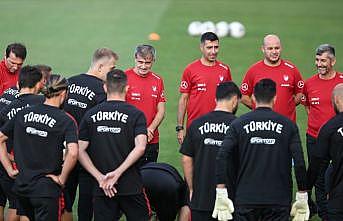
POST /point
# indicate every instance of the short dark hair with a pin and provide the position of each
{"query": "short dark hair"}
(326, 48)
(55, 85)
(116, 81)
(145, 51)
(29, 76)
(226, 90)
(18, 49)
(208, 36)
(265, 90)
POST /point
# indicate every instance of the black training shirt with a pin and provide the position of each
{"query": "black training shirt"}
(111, 128)
(38, 133)
(202, 142)
(329, 147)
(264, 144)
(84, 92)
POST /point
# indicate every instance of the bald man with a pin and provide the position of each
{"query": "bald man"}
(287, 77)
(330, 148)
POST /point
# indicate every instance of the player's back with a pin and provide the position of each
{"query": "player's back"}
(84, 92)
(264, 139)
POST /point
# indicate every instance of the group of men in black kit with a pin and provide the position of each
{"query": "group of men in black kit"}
(234, 168)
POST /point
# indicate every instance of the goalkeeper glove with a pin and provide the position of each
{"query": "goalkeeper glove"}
(223, 207)
(300, 210)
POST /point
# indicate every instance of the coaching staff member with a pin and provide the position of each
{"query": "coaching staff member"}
(289, 83)
(199, 81)
(264, 143)
(84, 92)
(200, 147)
(329, 147)
(146, 92)
(41, 175)
(15, 55)
(112, 138)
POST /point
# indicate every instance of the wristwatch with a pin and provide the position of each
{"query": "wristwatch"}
(178, 128)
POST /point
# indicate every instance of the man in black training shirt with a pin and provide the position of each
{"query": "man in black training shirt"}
(112, 138)
(330, 148)
(201, 144)
(263, 143)
(84, 92)
(30, 83)
(38, 133)
(166, 190)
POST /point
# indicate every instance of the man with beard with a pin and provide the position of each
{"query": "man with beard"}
(198, 84)
(329, 147)
(283, 73)
(317, 100)
(202, 142)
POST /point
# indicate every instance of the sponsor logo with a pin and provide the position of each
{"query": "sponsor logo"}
(300, 84)
(184, 85)
(106, 129)
(244, 87)
(209, 141)
(79, 104)
(285, 85)
(34, 131)
(260, 140)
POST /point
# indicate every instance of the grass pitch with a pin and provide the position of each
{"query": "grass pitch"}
(64, 34)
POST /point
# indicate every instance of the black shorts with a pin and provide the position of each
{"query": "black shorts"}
(85, 202)
(135, 207)
(165, 189)
(3, 198)
(6, 184)
(263, 214)
(197, 215)
(150, 154)
(41, 208)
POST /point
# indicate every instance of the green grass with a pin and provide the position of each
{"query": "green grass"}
(64, 34)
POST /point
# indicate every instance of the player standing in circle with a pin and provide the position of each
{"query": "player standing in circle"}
(318, 103)
(84, 92)
(40, 175)
(146, 92)
(112, 139)
(15, 55)
(199, 82)
(263, 143)
(200, 147)
(30, 83)
(329, 148)
(289, 83)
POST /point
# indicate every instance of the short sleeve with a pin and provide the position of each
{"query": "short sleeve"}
(71, 132)
(299, 82)
(187, 147)
(247, 84)
(140, 124)
(162, 96)
(84, 131)
(305, 98)
(186, 84)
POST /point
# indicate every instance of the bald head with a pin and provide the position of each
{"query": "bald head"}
(271, 39)
(337, 98)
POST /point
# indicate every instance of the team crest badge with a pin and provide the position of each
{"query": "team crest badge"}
(154, 88)
(285, 77)
(221, 78)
